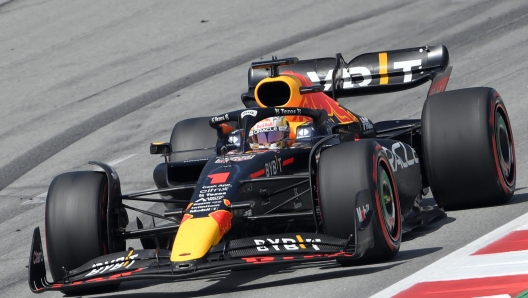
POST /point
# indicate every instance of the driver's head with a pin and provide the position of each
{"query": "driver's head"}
(270, 133)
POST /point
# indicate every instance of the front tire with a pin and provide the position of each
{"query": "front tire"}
(347, 171)
(468, 148)
(76, 223)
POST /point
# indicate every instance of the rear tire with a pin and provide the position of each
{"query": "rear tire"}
(76, 223)
(346, 171)
(188, 134)
(468, 148)
(193, 133)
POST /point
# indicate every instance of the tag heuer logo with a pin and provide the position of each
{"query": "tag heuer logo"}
(252, 113)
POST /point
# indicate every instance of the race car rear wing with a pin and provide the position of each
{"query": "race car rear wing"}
(371, 73)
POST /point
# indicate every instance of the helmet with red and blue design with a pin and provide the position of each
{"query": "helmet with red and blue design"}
(270, 133)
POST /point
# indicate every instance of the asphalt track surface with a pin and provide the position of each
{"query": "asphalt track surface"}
(87, 80)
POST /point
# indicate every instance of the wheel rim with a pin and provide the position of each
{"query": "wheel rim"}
(504, 147)
(388, 208)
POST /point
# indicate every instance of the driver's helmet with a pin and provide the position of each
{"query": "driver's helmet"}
(270, 133)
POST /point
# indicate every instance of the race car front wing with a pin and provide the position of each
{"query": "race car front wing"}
(235, 254)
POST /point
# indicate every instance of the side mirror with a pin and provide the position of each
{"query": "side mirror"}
(160, 148)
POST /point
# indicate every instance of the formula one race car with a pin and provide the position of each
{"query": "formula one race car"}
(294, 177)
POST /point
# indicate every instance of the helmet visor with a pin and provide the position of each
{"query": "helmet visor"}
(268, 137)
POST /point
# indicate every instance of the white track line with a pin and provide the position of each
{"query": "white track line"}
(120, 159)
(437, 270)
(36, 200)
(42, 197)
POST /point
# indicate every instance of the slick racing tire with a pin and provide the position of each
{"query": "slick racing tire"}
(76, 225)
(193, 133)
(188, 134)
(468, 148)
(347, 171)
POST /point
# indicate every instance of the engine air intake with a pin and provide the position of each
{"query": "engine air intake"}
(273, 94)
